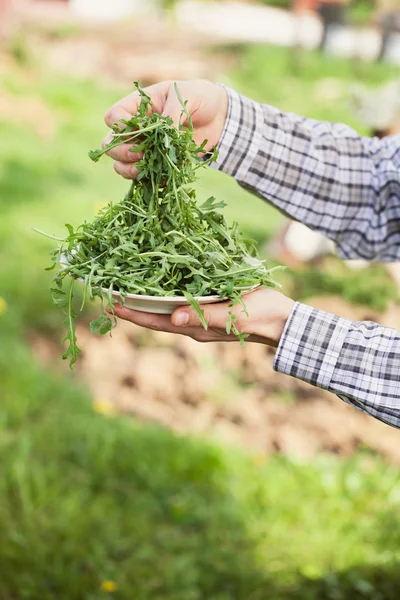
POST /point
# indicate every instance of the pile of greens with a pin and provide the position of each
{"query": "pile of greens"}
(156, 241)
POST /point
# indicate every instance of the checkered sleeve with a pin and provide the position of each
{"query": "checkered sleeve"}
(358, 361)
(322, 174)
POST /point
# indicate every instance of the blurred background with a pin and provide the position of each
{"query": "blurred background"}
(161, 468)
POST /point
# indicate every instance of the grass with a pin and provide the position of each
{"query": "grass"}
(86, 499)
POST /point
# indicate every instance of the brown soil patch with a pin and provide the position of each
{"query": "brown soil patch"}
(226, 392)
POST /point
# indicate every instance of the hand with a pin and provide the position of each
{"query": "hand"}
(207, 105)
(268, 312)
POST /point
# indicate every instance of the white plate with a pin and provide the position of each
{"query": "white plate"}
(162, 305)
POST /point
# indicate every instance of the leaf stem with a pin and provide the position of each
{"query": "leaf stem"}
(48, 235)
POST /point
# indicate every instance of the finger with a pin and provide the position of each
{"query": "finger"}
(128, 106)
(127, 170)
(150, 320)
(172, 107)
(123, 109)
(107, 140)
(123, 154)
(118, 112)
(216, 316)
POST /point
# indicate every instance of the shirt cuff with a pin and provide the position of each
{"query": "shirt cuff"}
(241, 137)
(310, 345)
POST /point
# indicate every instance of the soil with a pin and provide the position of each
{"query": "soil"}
(226, 392)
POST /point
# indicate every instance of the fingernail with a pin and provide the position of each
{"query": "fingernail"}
(182, 318)
(116, 307)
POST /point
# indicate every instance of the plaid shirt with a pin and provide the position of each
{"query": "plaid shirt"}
(348, 188)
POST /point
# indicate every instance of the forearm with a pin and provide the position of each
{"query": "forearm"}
(358, 361)
(324, 175)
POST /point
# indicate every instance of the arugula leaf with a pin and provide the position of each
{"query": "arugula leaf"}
(72, 351)
(196, 307)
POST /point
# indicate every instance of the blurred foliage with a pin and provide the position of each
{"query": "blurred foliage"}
(370, 287)
(168, 5)
(363, 11)
(19, 50)
(360, 11)
(45, 180)
(62, 31)
(278, 3)
(88, 499)
(318, 87)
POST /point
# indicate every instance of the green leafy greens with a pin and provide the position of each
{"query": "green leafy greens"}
(156, 241)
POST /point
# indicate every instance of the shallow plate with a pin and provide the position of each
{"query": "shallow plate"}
(162, 305)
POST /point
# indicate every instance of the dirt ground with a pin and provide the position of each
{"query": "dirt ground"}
(225, 392)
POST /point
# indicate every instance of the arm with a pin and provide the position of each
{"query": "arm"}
(324, 175)
(358, 361)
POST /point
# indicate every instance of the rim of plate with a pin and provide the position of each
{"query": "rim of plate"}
(170, 298)
(164, 298)
(174, 298)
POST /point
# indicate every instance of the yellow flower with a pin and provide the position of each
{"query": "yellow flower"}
(103, 407)
(3, 306)
(109, 586)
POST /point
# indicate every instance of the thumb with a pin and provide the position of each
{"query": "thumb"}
(215, 315)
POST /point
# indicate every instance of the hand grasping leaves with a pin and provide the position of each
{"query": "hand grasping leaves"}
(156, 241)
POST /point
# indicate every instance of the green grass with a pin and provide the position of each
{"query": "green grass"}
(84, 498)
